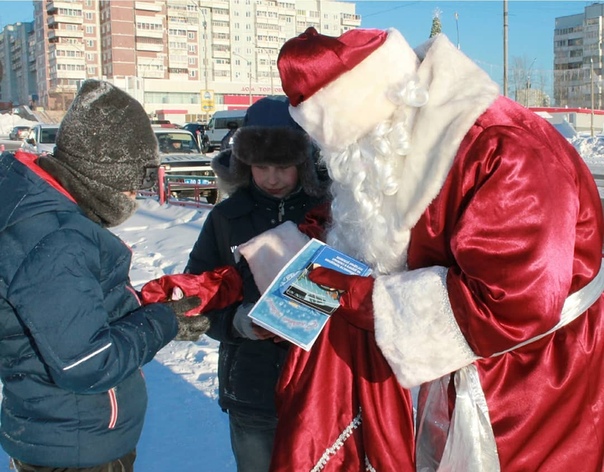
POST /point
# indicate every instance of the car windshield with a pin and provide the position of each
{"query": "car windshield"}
(176, 143)
(48, 136)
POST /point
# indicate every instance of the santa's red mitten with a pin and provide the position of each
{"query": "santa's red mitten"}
(316, 221)
(356, 304)
(216, 288)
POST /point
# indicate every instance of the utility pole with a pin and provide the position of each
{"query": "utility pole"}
(591, 79)
(528, 84)
(457, 27)
(505, 48)
(205, 65)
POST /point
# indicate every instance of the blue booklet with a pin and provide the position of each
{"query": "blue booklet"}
(295, 308)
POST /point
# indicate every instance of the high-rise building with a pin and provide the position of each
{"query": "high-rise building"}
(578, 49)
(17, 66)
(175, 56)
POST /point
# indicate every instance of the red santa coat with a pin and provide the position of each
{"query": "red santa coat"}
(515, 229)
(507, 230)
(504, 230)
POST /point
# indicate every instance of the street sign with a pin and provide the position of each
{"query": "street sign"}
(207, 100)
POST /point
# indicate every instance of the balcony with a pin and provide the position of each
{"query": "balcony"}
(53, 6)
(55, 34)
(221, 29)
(351, 21)
(220, 17)
(221, 41)
(147, 6)
(147, 33)
(71, 74)
(55, 20)
(141, 46)
(221, 54)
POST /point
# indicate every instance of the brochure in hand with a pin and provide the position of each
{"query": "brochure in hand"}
(297, 309)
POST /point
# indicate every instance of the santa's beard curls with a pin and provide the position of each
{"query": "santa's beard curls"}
(366, 219)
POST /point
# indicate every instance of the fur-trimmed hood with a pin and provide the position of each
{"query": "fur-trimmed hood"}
(268, 137)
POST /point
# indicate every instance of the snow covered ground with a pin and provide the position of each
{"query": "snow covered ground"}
(185, 429)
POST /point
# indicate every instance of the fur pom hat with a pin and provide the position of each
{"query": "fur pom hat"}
(269, 136)
(105, 146)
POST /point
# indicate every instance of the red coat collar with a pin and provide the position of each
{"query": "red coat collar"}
(28, 159)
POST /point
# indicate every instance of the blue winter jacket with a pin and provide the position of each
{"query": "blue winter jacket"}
(73, 335)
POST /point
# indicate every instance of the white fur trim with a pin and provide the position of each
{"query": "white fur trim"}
(459, 92)
(351, 105)
(268, 252)
(415, 327)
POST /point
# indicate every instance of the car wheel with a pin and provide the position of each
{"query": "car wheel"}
(213, 197)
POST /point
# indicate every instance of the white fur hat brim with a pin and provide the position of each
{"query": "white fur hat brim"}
(354, 103)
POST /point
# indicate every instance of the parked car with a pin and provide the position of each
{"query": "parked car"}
(181, 157)
(218, 126)
(199, 131)
(41, 139)
(18, 133)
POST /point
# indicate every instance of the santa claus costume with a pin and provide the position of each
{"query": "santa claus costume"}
(484, 228)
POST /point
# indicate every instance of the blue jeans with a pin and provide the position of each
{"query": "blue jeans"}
(252, 438)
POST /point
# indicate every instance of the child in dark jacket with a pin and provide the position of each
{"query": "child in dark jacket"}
(74, 335)
(270, 175)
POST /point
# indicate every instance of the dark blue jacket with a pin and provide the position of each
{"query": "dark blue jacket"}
(72, 333)
(247, 370)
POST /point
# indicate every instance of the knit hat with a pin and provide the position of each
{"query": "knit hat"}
(105, 146)
(339, 87)
(269, 136)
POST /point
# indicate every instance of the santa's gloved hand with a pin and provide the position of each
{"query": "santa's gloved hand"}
(243, 324)
(356, 304)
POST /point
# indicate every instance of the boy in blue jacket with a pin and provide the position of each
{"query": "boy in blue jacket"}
(74, 335)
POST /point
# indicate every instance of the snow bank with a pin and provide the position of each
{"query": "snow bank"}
(8, 122)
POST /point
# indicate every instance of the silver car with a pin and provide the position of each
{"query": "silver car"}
(188, 170)
(41, 139)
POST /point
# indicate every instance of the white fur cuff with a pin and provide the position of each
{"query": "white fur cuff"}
(268, 252)
(415, 327)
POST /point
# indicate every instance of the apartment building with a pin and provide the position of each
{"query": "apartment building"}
(17, 64)
(578, 51)
(177, 57)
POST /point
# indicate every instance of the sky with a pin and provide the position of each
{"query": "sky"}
(478, 29)
(184, 429)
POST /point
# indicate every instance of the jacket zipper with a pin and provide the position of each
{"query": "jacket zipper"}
(281, 210)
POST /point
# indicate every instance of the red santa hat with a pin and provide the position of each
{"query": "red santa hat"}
(339, 87)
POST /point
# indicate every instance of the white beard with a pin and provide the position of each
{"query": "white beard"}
(367, 220)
